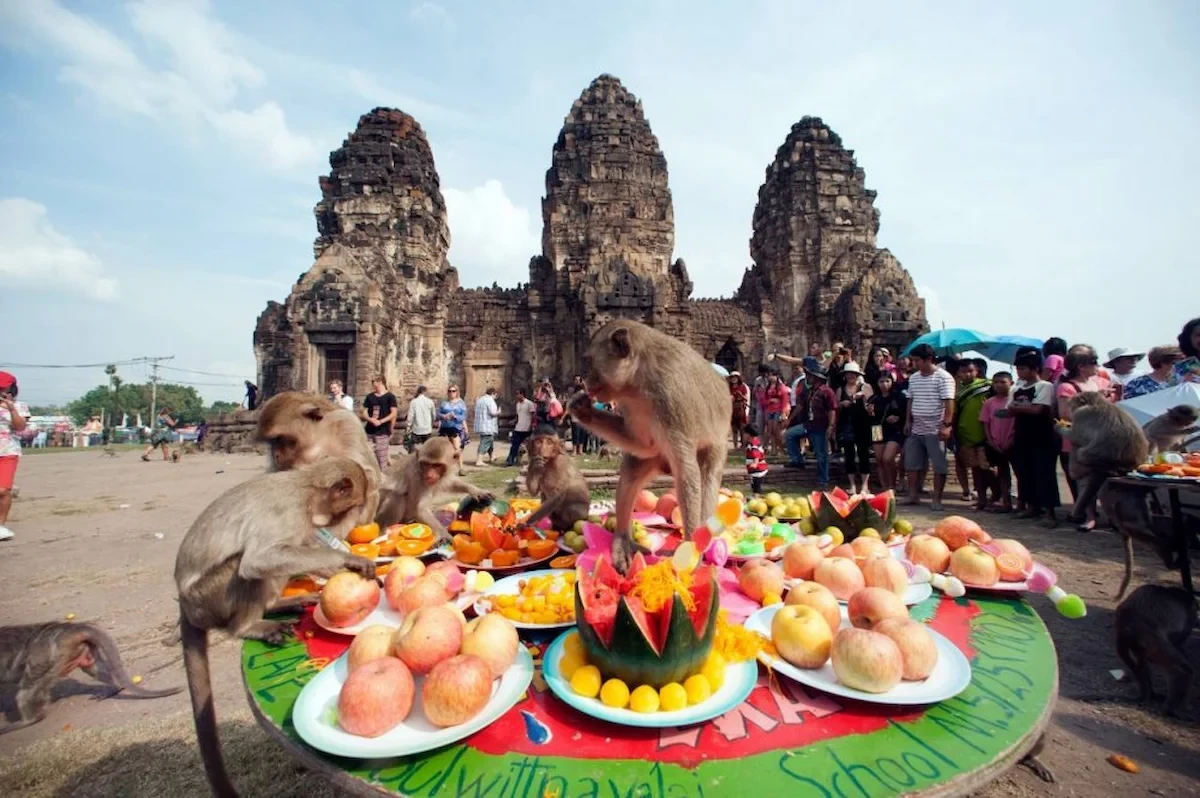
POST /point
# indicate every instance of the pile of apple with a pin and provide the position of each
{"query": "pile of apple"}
(951, 545)
(348, 598)
(457, 661)
(844, 570)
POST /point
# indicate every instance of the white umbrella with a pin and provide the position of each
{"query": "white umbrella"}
(724, 372)
(1148, 406)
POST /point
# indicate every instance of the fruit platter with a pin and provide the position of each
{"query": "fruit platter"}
(1171, 465)
(433, 681)
(494, 539)
(651, 648)
(533, 599)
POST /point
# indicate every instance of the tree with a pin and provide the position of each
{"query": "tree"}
(185, 403)
(220, 408)
(47, 410)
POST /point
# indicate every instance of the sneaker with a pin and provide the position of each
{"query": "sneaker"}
(5, 533)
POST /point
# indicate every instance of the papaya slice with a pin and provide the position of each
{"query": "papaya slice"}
(565, 561)
(537, 549)
(459, 525)
(510, 542)
(502, 558)
(469, 553)
(482, 525)
(300, 587)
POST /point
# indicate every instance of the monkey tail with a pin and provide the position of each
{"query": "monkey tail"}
(104, 651)
(195, 663)
(1128, 568)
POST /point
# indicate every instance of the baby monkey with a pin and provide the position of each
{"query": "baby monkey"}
(410, 485)
(36, 657)
(1151, 627)
(236, 558)
(557, 482)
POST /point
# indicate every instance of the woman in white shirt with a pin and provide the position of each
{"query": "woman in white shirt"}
(340, 399)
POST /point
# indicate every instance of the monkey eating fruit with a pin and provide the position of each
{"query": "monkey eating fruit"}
(241, 551)
(674, 420)
(1105, 441)
(557, 482)
(410, 484)
(1151, 627)
(35, 657)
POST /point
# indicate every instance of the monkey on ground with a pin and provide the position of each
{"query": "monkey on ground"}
(36, 657)
(1151, 627)
(557, 482)
(236, 558)
(303, 428)
(1105, 441)
(674, 420)
(410, 484)
(1169, 432)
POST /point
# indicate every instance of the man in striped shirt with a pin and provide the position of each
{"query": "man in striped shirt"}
(929, 424)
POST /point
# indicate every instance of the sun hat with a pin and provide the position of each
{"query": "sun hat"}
(1120, 352)
(852, 368)
(817, 372)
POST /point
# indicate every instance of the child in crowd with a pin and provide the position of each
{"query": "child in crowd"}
(1035, 441)
(998, 430)
(756, 459)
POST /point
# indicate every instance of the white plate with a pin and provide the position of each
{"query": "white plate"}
(740, 679)
(382, 614)
(510, 585)
(1006, 587)
(950, 676)
(316, 707)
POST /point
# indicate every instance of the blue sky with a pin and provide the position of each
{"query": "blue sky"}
(1036, 163)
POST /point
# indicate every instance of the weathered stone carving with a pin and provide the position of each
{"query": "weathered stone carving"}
(381, 297)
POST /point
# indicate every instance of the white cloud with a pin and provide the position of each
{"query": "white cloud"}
(201, 86)
(491, 238)
(34, 254)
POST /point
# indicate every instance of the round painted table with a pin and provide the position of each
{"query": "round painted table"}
(784, 740)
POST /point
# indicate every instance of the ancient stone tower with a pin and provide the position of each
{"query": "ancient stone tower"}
(813, 245)
(375, 300)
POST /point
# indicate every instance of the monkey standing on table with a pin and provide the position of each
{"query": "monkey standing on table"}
(674, 419)
(36, 656)
(557, 482)
(1151, 627)
(416, 478)
(1105, 441)
(304, 428)
(236, 558)
(1169, 432)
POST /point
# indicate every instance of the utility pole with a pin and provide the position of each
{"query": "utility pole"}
(154, 361)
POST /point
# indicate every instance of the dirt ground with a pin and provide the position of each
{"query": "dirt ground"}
(97, 535)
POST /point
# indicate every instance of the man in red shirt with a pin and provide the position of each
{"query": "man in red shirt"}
(818, 420)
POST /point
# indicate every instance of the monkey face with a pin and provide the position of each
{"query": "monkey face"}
(612, 361)
(546, 447)
(432, 473)
(338, 486)
(1183, 415)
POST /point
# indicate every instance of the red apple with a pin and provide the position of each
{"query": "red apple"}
(371, 643)
(820, 598)
(843, 550)
(842, 576)
(449, 574)
(955, 531)
(492, 638)
(645, 502)
(887, 573)
(974, 566)
(929, 551)
(917, 649)
(425, 592)
(666, 505)
(801, 558)
(375, 697)
(871, 605)
(869, 547)
(866, 660)
(759, 577)
(456, 690)
(427, 637)
(404, 571)
(348, 598)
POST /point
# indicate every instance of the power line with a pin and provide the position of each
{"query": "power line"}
(75, 366)
(205, 373)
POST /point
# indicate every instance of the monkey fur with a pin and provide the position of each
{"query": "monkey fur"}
(410, 483)
(1105, 441)
(36, 657)
(1126, 509)
(304, 428)
(237, 556)
(1151, 628)
(555, 480)
(674, 420)
(1169, 432)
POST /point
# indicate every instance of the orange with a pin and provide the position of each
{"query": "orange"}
(537, 549)
(368, 550)
(363, 534)
(502, 558)
(300, 587)
(565, 561)
(382, 568)
(469, 552)
(387, 547)
(415, 548)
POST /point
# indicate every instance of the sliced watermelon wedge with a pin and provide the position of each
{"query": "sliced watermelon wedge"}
(704, 593)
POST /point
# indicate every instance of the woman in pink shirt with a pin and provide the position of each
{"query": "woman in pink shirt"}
(1079, 376)
(999, 431)
(777, 401)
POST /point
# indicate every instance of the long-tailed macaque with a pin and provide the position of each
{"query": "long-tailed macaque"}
(1127, 509)
(1105, 442)
(674, 420)
(410, 484)
(303, 428)
(1169, 432)
(555, 480)
(36, 657)
(1151, 627)
(236, 558)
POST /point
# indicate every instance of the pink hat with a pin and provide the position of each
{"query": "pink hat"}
(1056, 364)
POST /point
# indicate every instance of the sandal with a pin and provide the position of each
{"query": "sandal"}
(146, 458)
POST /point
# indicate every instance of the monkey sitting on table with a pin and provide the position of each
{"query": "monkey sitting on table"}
(555, 480)
(674, 420)
(410, 484)
(237, 556)
(36, 657)
(1151, 627)
(1169, 432)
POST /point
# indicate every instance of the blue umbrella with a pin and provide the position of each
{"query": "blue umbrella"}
(1004, 348)
(717, 367)
(949, 342)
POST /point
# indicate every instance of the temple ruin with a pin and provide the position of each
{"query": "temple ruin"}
(382, 297)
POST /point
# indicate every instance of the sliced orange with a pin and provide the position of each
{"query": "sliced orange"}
(414, 548)
(1012, 569)
(387, 547)
(382, 568)
(368, 550)
(537, 549)
(363, 534)
(565, 561)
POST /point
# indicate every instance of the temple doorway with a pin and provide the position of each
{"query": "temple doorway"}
(335, 365)
(729, 356)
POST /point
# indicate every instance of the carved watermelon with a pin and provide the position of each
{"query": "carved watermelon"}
(627, 642)
(877, 512)
(852, 514)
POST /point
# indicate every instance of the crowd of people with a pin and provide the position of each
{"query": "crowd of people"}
(908, 415)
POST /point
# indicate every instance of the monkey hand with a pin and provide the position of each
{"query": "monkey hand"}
(623, 549)
(483, 497)
(361, 566)
(580, 406)
(512, 489)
